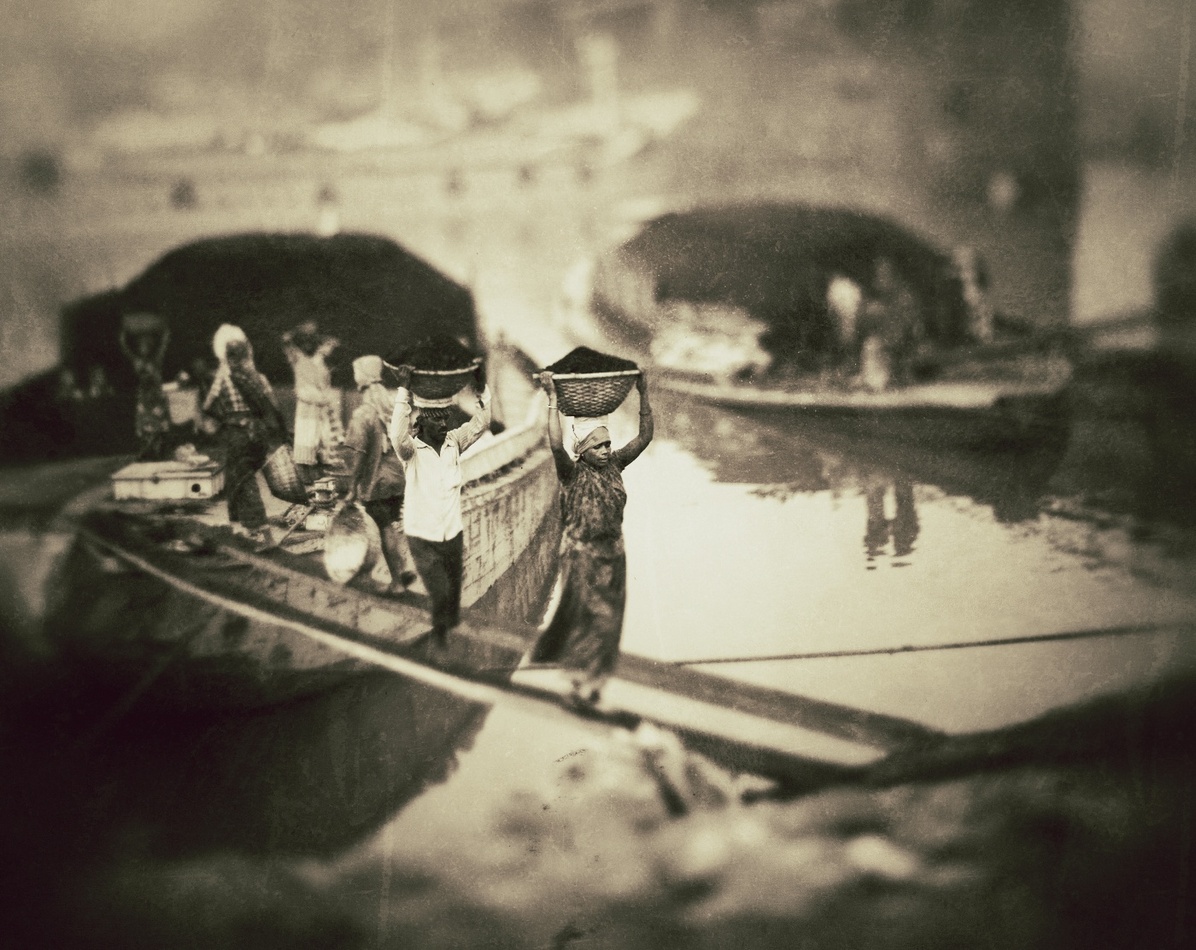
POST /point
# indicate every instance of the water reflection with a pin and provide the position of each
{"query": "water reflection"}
(785, 458)
(309, 779)
(901, 529)
(752, 538)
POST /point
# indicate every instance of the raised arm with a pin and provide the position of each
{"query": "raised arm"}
(211, 401)
(632, 450)
(289, 349)
(556, 439)
(355, 445)
(162, 344)
(270, 396)
(469, 433)
(399, 430)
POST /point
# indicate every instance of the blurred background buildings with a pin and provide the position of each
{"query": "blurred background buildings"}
(1054, 136)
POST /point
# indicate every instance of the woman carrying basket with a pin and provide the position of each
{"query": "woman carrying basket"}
(318, 428)
(242, 401)
(584, 633)
(151, 421)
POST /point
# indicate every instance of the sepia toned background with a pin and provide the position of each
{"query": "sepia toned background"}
(1049, 135)
(510, 144)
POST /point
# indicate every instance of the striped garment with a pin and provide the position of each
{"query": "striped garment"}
(318, 427)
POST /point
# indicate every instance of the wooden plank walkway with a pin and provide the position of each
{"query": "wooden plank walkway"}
(745, 727)
(801, 742)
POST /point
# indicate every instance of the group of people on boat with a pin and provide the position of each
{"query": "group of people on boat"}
(881, 328)
(403, 459)
(405, 473)
(882, 325)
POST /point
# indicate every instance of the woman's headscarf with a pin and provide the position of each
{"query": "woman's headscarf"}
(226, 334)
(367, 374)
(589, 432)
(244, 378)
(367, 370)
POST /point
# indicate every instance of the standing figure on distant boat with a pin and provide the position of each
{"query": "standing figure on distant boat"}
(242, 402)
(68, 390)
(151, 421)
(377, 479)
(431, 455)
(584, 633)
(318, 428)
(844, 300)
(890, 327)
(975, 289)
(98, 386)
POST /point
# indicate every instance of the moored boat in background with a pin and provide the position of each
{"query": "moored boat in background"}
(761, 308)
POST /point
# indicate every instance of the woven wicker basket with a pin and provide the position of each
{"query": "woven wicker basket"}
(141, 322)
(593, 394)
(440, 383)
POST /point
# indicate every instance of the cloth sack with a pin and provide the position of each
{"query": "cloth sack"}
(352, 544)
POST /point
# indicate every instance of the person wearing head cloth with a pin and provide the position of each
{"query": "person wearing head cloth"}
(431, 454)
(584, 633)
(241, 401)
(151, 420)
(318, 429)
(377, 479)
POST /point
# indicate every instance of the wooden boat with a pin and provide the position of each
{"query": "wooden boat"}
(212, 611)
(166, 610)
(964, 412)
(132, 595)
(753, 282)
(59, 602)
(1012, 393)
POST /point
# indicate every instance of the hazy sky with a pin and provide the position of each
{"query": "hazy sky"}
(64, 63)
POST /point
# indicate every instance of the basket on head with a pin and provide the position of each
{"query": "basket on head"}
(593, 394)
(141, 322)
(436, 384)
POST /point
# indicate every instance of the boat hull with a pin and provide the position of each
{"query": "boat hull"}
(961, 415)
(176, 613)
(148, 626)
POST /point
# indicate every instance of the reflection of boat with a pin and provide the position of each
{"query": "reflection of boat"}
(981, 413)
(209, 796)
(327, 771)
(745, 307)
(809, 454)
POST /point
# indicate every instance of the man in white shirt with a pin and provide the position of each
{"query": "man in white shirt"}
(431, 454)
